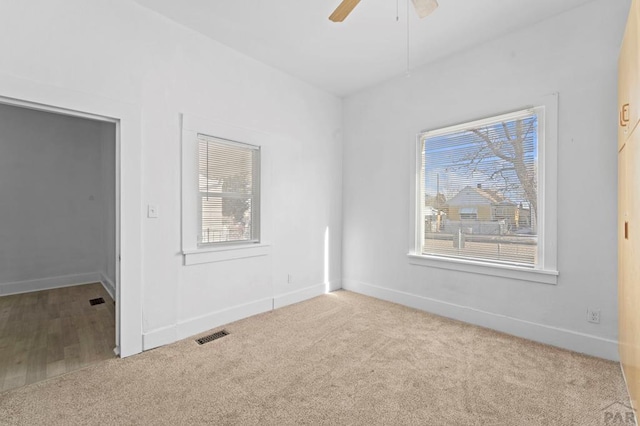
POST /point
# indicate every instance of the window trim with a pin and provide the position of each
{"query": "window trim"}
(255, 195)
(192, 251)
(546, 271)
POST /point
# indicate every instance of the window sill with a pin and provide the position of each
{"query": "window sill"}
(505, 271)
(225, 253)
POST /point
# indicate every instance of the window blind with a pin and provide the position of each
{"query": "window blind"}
(228, 184)
(478, 190)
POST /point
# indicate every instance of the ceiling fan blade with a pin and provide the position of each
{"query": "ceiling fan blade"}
(343, 10)
(425, 7)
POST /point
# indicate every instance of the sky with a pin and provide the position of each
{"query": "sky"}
(461, 158)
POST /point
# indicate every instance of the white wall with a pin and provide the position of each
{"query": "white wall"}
(120, 50)
(574, 54)
(52, 191)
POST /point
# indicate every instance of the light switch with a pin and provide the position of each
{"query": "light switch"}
(152, 211)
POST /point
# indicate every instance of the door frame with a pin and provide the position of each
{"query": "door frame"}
(127, 118)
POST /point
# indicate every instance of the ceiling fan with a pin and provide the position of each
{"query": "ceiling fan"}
(423, 8)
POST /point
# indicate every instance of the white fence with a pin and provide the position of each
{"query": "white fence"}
(477, 227)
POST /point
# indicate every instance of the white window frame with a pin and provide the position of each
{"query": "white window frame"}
(193, 252)
(546, 271)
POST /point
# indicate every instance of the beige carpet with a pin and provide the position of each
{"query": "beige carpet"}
(341, 358)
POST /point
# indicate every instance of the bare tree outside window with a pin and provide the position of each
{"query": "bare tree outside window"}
(511, 147)
(236, 207)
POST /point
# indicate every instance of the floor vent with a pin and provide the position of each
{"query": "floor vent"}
(97, 301)
(212, 337)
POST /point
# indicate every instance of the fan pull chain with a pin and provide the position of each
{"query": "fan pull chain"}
(397, 10)
(408, 56)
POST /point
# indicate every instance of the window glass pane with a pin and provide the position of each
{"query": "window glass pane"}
(480, 191)
(227, 181)
(225, 168)
(225, 219)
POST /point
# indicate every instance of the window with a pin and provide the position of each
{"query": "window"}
(228, 185)
(468, 213)
(485, 193)
(224, 178)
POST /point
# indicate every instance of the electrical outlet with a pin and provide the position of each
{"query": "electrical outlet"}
(593, 316)
(152, 211)
(289, 278)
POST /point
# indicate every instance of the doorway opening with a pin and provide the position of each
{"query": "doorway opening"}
(59, 241)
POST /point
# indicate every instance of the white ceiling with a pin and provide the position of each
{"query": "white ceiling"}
(370, 46)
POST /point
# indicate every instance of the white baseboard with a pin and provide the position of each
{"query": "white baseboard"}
(159, 337)
(28, 286)
(191, 327)
(562, 338)
(298, 296)
(197, 325)
(108, 285)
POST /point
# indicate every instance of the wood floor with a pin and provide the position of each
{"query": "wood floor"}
(47, 333)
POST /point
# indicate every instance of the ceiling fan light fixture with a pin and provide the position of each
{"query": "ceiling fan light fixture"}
(343, 10)
(425, 7)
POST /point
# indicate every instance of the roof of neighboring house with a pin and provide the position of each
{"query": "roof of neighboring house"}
(470, 196)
